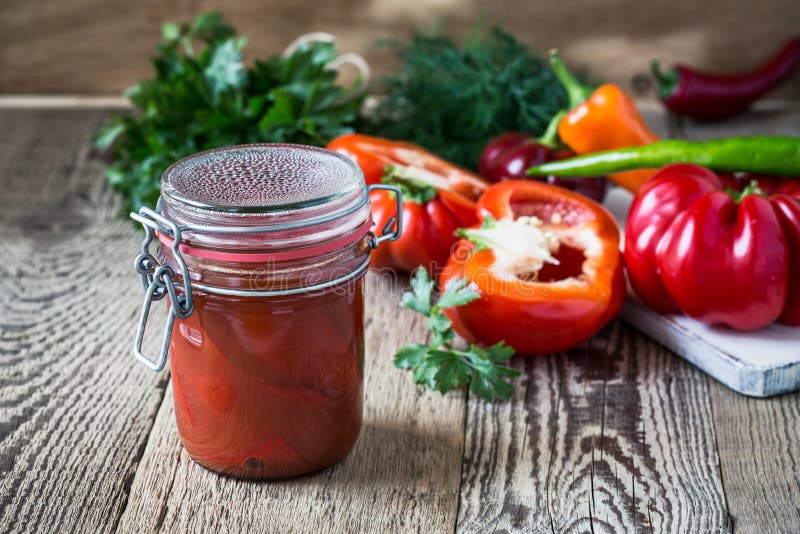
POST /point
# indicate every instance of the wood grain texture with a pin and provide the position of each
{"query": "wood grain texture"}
(609, 437)
(403, 474)
(758, 439)
(75, 409)
(616, 435)
(103, 46)
(759, 449)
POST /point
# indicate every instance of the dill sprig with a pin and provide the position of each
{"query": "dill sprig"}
(452, 99)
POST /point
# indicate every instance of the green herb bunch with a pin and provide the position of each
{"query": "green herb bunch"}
(203, 96)
(452, 100)
(439, 364)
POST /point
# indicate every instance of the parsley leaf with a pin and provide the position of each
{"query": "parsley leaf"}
(419, 299)
(489, 385)
(410, 356)
(452, 370)
(225, 69)
(457, 293)
(440, 366)
(203, 96)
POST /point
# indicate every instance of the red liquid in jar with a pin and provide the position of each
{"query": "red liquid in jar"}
(270, 387)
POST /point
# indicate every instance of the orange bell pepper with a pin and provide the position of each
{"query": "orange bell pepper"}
(603, 119)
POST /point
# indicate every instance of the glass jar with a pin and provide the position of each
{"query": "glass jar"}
(261, 252)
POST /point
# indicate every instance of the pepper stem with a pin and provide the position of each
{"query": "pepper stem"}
(576, 91)
(416, 184)
(550, 136)
(667, 81)
(750, 189)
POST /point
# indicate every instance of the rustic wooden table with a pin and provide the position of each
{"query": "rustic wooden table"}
(616, 435)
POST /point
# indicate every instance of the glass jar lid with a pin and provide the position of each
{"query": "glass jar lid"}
(262, 178)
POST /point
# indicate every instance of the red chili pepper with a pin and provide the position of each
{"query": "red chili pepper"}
(546, 264)
(703, 95)
(720, 256)
(438, 199)
(507, 156)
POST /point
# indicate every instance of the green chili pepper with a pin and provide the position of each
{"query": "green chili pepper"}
(779, 156)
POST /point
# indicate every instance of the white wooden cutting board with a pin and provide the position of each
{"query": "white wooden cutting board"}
(760, 364)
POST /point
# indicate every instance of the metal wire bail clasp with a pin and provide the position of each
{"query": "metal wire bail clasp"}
(158, 282)
(393, 228)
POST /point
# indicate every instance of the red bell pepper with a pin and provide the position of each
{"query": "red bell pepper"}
(769, 184)
(438, 198)
(373, 154)
(720, 256)
(428, 230)
(546, 264)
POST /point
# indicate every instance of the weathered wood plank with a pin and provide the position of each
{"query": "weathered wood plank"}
(758, 439)
(62, 50)
(759, 451)
(75, 409)
(403, 474)
(612, 436)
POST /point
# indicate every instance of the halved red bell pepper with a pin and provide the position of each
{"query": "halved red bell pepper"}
(720, 256)
(438, 198)
(546, 264)
(373, 154)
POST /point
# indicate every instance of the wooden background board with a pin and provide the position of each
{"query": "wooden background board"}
(616, 435)
(102, 46)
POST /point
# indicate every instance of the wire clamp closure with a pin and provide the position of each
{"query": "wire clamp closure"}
(393, 228)
(158, 281)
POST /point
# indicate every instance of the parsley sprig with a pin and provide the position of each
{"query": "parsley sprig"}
(203, 96)
(441, 366)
